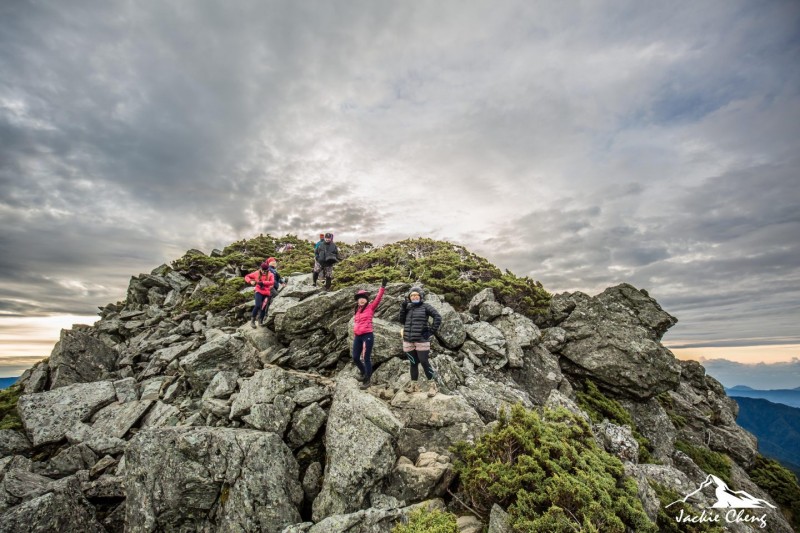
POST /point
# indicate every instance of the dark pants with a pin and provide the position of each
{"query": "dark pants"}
(260, 307)
(363, 343)
(415, 358)
(272, 294)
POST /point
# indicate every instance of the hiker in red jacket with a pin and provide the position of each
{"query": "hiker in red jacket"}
(362, 328)
(263, 280)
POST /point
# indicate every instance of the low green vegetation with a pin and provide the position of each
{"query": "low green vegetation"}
(445, 269)
(781, 484)
(9, 418)
(669, 406)
(550, 474)
(709, 461)
(425, 520)
(666, 517)
(599, 407)
(223, 295)
(245, 256)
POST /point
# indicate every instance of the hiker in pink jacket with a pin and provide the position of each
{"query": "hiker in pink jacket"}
(263, 280)
(364, 339)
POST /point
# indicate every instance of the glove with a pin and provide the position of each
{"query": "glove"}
(383, 282)
(260, 284)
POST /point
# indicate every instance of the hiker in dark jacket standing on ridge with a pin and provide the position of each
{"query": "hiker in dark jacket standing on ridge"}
(362, 329)
(326, 255)
(263, 280)
(417, 331)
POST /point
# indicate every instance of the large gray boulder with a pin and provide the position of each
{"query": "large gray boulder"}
(47, 416)
(13, 442)
(314, 312)
(223, 352)
(520, 333)
(429, 476)
(210, 479)
(487, 337)
(359, 439)
(451, 332)
(614, 338)
(540, 373)
(117, 419)
(80, 358)
(61, 510)
(434, 424)
(488, 397)
(267, 384)
(708, 417)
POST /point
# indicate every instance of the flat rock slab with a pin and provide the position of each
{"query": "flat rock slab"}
(116, 419)
(210, 479)
(47, 416)
(55, 511)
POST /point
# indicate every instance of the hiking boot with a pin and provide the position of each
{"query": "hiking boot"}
(365, 384)
(433, 390)
(314, 277)
(328, 284)
(411, 387)
(253, 323)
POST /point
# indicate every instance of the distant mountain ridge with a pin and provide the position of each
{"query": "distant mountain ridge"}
(777, 427)
(790, 397)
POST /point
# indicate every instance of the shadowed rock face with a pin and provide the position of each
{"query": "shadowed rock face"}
(217, 479)
(162, 419)
(80, 358)
(614, 338)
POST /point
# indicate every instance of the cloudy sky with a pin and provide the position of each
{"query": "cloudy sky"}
(581, 143)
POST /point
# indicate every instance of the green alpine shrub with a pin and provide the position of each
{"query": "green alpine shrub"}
(550, 474)
(443, 268)
(781, 484)
(709, 461)
(9, 417)
(599, 406)
(428, 521)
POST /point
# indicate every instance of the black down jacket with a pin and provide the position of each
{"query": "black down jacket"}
(414, 318)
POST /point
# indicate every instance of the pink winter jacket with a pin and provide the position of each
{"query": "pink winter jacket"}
(264, 284)
(363, 319)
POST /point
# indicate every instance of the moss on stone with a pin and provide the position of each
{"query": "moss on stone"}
(425, 520)
(709, 461)
(600, 407)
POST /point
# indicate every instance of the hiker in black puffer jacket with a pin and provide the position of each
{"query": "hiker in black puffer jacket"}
(417, 331)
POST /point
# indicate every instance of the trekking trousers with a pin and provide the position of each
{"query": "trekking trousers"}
(363, 344)
(260, 308)
(416, 357)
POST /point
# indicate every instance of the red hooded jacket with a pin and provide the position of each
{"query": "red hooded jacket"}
(264, 281)
(363, 318)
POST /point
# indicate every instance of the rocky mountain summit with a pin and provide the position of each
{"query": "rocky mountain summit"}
(163, 418)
